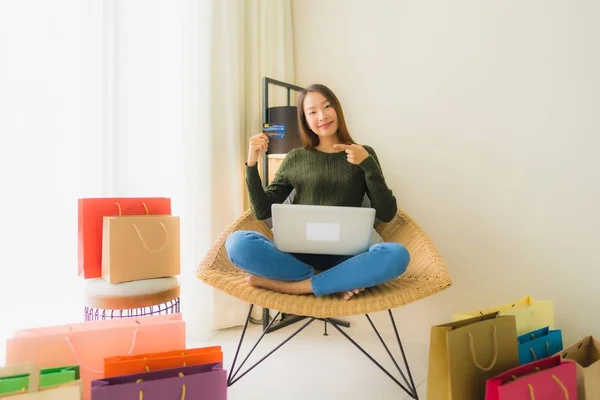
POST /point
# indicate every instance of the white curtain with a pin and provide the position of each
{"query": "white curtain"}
(42, 130)
(248, 41)
(126, 98)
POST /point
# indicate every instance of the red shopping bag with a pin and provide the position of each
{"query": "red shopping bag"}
(546, 379)
(91, 214)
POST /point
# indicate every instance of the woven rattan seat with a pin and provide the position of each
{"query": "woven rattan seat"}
(426, 275)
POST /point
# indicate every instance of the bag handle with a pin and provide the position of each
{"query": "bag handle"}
(140, 234)
(547, 351)
(121, 214)
(493, 362)
(183, 389)
(95, 371)
(23, 369)
(161, 248)
(562, 386)
(148, 368)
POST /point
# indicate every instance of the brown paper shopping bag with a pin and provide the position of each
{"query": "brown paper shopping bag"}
(586, 353)
(463, 355)
(140, 247)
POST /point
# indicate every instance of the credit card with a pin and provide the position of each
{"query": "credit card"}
(276, 131)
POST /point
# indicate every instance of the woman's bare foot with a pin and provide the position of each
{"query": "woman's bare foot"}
(350, 293)
(294, 287)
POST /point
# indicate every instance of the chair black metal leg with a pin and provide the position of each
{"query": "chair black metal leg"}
(402, 350)
(290, 319)
(409, 388)
(388, 350)
(286, 320)
(233, 378)
(339, 322)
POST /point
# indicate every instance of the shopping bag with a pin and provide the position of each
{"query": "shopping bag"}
(586, 355)
(140, 247)
(539, 344)
(464, 354)
(87, 344)
(547, 379)
(125, 365)
(530, 315)
(91, 212)
(48, 377)
(198, 382)
(67, 391)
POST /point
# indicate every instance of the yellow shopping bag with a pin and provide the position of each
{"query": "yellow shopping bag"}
(530, 315)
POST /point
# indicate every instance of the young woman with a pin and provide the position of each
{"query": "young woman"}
(330, 170)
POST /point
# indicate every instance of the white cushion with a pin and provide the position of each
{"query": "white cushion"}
(101, 288)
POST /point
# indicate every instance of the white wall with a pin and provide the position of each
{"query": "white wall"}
(482, 114)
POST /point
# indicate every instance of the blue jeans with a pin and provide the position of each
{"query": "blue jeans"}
(257, 255)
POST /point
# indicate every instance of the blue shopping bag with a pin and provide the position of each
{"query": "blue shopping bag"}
(538, 344)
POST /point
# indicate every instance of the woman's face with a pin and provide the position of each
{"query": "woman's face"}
(320, 114)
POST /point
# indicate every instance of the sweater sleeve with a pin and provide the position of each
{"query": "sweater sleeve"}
(277, 191)
(381, 197)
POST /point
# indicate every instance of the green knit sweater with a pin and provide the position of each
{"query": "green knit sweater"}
(323, 179)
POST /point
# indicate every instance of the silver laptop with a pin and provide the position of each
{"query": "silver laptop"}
(322, 229)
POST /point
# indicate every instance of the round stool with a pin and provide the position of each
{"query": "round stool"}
(104, 300)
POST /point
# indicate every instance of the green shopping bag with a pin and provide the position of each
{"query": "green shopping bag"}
(48, 377)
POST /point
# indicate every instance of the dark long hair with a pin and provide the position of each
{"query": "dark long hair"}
(309, 138)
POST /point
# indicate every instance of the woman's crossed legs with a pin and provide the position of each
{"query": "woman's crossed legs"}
(272, 269)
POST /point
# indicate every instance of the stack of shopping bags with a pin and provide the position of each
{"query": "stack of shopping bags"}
(511, 352)
(131, 358)
(128, 239)
(188, 374)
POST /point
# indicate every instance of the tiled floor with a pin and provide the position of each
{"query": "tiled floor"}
(314, 366)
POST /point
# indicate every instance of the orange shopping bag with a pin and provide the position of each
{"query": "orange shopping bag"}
(127, 365)
(91, 213)
(87, 344)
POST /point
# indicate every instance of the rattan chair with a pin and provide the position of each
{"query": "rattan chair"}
(426, 275)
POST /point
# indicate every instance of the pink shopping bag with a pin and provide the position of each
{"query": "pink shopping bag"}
(546, 379)
(88, 344)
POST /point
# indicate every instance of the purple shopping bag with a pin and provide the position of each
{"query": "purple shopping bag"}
(198, 382)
